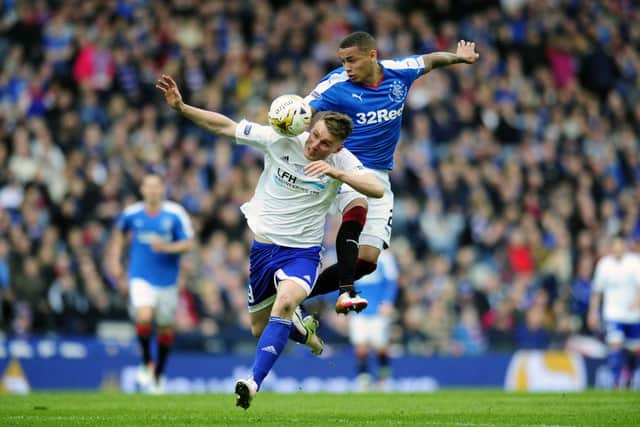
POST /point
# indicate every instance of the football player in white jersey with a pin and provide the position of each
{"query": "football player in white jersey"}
(373, 93)
(287, 214)
(616, 283)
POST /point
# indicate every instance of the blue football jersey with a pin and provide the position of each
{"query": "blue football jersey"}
(376, 111)
(171, 224)
(380, 286)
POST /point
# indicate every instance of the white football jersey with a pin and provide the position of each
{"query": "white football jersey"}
(288, 207)
(619, 281)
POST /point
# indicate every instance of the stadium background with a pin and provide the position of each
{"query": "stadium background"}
(509, 173)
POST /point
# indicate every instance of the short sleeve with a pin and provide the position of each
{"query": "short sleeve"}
(255, 135)
(182, 228)
(345, 160)
(123, 222)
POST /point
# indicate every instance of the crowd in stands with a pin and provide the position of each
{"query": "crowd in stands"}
(509, 174)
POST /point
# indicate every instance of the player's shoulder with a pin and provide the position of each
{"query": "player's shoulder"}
(411, 62)
(345, 155)
(133, 209)
(332, 81)
(172, 207)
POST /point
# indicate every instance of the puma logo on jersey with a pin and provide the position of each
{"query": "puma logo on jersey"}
(357, 96)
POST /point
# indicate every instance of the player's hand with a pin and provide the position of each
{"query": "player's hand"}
(318, 168)
(169, 89)
(467, 52)
(158, 245)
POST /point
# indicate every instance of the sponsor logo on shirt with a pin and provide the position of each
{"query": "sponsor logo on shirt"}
(286, 179)
(247, 130)
(378, 116)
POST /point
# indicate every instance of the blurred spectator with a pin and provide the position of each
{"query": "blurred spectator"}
(508, 174)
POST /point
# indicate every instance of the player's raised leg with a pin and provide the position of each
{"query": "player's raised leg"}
(273, 339)
(343, 274)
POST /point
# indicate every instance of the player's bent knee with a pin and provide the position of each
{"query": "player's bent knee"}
(359, 202)
(364, 267)
(289, 295)
(369, 254)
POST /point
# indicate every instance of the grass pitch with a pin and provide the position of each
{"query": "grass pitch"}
(443, 408)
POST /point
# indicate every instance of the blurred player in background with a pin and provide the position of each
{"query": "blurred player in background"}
(371, 329)
(373, 93)
(287, 215)
(616, 283)
(158, 232)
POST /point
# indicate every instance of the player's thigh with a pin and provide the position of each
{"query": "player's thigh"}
(261, 289)
(301, 269)
(368, 331)
(377, 230)
(143, 299)
(272, 264)
(167, 305)
(381, 336)
(289, 295)
(358, 330)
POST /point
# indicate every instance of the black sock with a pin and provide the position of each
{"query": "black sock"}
(343, 274)
(347, 252)
(363, 365)
(145, 345)
(165, 342)
(144, 339)
(327, 281)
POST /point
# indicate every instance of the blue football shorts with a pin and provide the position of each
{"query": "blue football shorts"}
(623, 333)
(269, 264)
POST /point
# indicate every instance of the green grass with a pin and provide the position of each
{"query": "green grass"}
(443, 408)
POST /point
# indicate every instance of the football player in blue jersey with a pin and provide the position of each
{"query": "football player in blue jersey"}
(158, 232)
(373, 93)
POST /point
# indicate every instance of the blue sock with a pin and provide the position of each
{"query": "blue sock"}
(616, 360)
(270, 345)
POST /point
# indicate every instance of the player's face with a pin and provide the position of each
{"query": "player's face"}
(152, 189)
(321, 143)
(618, 247)
(359, 64)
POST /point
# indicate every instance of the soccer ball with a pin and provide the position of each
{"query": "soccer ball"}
(289, 115)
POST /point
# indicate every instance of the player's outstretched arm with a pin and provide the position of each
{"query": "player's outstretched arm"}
(465, 53)
(209, 120)
(366, 183)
